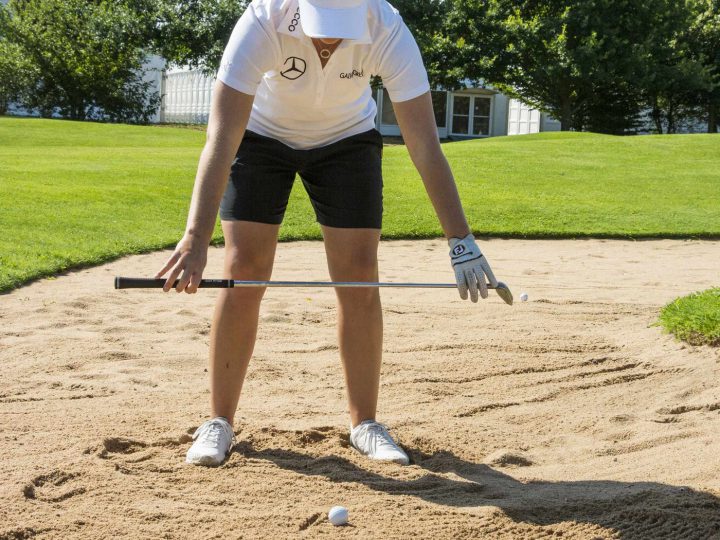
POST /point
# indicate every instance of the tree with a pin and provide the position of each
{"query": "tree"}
(15, 71)
(592, 64)
(704, 41)
(679, 79)
(194, 33)
(426, 19)
(86, 58)
(586, 63)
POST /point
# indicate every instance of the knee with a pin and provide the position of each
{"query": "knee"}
(357, 268)
(244, 267)
(358, 297)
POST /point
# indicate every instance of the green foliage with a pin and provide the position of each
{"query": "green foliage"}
(694, 318)
(75, 193)
(85, 57)
(194, 32)
(593, 65)
(15, 70)
(425, 19)
(684, 71)
(703, 42)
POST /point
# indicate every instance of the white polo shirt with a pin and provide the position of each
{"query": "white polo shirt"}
(296, 100)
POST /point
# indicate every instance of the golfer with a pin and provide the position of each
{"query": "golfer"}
(292, 97)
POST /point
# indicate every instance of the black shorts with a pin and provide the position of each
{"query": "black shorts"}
(343, 180)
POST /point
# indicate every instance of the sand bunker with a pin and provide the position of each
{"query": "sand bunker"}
(570, 415)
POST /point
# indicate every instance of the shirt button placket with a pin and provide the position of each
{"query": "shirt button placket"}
(319, 92)
(320, 82)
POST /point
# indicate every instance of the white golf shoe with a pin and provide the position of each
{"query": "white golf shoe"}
(213, 442)
(373, 440)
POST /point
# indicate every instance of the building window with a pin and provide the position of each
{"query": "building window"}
(387, 115)
(481, 116)
(439, 100)
(465, 123)
(461, 114)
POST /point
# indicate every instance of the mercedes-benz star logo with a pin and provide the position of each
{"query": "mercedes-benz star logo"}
(294, 67)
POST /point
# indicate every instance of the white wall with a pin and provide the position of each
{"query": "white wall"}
(548, 123)
(186, 98)
(499, 116)
(522, 119)
(154, 68)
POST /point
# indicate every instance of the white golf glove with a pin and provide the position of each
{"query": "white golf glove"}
(470, 267)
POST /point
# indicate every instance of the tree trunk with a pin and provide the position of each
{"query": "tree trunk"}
(78, 111)
(672, 128)
(713, 118)
(565, 114)
(656, 115)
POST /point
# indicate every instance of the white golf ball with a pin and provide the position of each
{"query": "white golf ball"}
(338, 515)
(524, 297)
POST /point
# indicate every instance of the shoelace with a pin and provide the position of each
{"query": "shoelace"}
(210, 433)
(382, 437)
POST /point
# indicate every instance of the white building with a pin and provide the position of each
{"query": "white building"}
(468, 113)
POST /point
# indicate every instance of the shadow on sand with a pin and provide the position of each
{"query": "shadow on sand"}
(633, 510)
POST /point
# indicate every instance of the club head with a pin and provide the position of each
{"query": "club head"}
(503, 292)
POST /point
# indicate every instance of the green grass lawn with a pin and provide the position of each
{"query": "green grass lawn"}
(694, 318)
(76, 193)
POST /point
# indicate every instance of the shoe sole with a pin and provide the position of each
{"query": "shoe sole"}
(205, 461)
(399, 461)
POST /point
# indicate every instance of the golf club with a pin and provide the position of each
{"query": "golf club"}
(502, 290)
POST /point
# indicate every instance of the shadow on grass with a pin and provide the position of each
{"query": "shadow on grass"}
(633, 510)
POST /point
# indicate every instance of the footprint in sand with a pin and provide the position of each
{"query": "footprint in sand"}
(112, 446)
(276, 318)
(122, 452)
(55, 486)
(505, 458)
(324, 437)
(129, 456)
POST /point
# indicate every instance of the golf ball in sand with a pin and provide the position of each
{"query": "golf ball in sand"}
(524, 297)
(338, 515)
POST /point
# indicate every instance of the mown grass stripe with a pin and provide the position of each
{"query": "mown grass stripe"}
(74, 193)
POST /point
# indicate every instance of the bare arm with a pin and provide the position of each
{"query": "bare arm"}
(229, 113)
(417, 124)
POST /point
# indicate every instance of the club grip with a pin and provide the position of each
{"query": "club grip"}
(148, 283)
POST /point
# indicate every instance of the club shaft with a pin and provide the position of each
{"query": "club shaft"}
(344, 284)
(145, 283)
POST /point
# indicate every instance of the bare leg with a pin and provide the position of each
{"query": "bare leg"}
(352, 256)
(249, 255)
